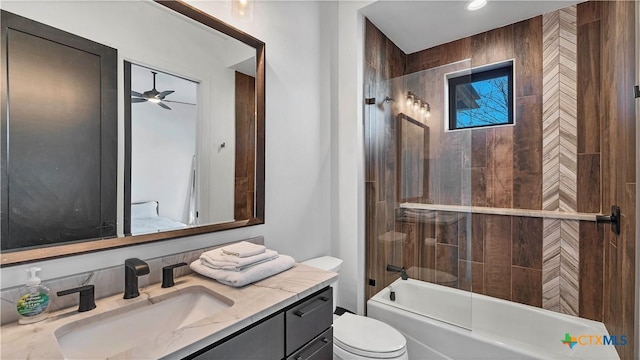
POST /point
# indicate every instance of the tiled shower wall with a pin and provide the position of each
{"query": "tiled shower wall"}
(501, 255)
(613, 22)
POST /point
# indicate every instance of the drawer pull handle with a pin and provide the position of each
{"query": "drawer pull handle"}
(313, 348)
(303, 312)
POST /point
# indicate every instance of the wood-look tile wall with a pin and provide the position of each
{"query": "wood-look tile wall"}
(502, 175)
(591, 248)
(495, 255)
(498, 173)
(498, 255)
(383, 61)
(617, 158)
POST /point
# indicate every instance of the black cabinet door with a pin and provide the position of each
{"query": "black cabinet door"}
(261, 342)
(59, 136)
(308, 318)
(320, 348)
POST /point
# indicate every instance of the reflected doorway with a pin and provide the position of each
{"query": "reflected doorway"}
(163, 144)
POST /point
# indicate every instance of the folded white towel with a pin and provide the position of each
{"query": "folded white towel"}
(243, 249)
(247, 276)
(218, 259)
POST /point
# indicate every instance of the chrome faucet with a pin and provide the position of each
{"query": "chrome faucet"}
(133, 268)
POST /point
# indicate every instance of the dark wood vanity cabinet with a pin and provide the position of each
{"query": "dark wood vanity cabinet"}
(301, 331)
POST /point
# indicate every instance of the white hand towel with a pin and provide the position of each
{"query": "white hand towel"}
(218, 259)
(247, 276)
(244, 249)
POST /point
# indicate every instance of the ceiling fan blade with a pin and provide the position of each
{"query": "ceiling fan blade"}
(138, 100)
(164, 106)
(165, 93)
(135, 93)
(178, 102)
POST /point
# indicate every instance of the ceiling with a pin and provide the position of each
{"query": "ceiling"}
(419, 25)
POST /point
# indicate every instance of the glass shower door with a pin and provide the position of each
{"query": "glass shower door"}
(419, 194)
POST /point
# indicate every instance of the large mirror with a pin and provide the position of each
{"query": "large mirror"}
(190, 120)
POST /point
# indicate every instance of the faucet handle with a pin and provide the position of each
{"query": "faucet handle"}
(167, 274)
(87, 297)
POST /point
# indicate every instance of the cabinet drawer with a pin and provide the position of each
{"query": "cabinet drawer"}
(263, 341)
(308, 319)
(320, 348)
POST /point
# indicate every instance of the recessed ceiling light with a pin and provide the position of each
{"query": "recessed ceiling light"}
(476, 4)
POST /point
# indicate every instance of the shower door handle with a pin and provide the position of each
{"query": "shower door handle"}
(613, 219)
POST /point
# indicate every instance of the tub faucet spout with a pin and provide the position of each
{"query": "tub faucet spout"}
(401, 270)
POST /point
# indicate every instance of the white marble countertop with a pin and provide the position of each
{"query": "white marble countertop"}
(250, 304)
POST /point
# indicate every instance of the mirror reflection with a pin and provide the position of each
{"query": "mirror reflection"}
(163, 151)
(191, 103)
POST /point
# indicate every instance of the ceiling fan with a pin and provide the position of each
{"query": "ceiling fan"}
(155, 96)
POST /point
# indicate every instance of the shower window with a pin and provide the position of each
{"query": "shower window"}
(482, 97)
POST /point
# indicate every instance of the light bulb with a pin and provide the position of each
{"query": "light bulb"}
(410, 98)
(242, 9)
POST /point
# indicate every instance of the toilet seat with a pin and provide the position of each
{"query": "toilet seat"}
(368, 337)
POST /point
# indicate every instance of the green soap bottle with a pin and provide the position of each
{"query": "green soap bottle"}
(33, 302)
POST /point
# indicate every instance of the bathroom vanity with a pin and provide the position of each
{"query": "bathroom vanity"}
(288, 315)
(306, 335)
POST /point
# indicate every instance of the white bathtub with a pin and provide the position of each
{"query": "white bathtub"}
(445, 323)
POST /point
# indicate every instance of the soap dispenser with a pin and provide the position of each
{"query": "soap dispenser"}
(33, 303)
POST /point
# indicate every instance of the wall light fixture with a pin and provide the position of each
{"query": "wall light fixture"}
(242, 9)
(418, 105)
(410, 98)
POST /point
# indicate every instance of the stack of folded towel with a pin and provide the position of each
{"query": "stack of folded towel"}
(241, 263)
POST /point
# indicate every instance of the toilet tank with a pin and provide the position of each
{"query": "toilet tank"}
(327, 263)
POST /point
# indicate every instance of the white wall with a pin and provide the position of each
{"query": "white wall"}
(350, 157)
(298, 151)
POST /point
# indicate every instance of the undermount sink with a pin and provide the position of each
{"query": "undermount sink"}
(130, 327)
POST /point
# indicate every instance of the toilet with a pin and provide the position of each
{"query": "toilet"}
(358, 337)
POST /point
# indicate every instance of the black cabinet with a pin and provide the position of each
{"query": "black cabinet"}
(320, 348)
(301, 331)
(258, 342)
(308, 319)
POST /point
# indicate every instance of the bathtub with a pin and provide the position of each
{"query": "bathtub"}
(445, 323)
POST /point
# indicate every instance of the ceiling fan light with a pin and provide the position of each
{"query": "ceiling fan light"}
(154, 100)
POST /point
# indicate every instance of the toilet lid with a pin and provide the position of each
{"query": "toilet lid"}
(368, 337)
